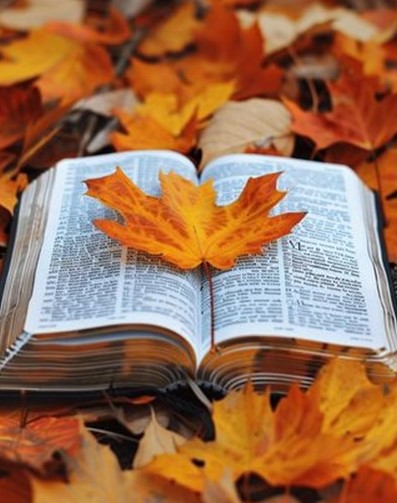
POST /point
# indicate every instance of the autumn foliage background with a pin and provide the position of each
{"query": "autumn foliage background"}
(292, 78)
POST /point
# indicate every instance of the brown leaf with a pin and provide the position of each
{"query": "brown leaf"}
(255, 122)
(33, 443)
(156, 440)
(34, 13)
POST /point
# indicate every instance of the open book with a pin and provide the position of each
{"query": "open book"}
(81, 312)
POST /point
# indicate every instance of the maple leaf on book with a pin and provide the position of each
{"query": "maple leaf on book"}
(185, 226)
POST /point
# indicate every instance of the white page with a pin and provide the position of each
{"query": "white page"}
(86, 280)
(317, 283)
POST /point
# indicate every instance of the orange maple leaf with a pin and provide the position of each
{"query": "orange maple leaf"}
(358, 117)
(185, 227)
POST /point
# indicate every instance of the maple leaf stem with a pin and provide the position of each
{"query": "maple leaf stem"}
(208, 275)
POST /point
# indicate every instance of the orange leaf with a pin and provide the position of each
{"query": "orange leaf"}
(386, 166)
(114, 31)
(84, 69)
(310, 439)
(358, 117)
(9, 190)
(173, 34)
(34, 442)
(185, 227)
(18, 107)
(143, 132)
(32, 56)
(370, 486)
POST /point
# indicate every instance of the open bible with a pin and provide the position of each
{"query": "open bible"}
(79, 312)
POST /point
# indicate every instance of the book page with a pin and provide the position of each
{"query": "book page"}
(318, 282)
(86, 280)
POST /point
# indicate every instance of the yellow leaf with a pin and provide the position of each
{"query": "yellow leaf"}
(185, 227)
(32, 56)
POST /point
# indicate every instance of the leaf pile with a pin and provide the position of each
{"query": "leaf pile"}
(337, 440)
(296, 78)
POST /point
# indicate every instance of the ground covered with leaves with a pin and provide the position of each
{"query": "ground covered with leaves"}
(290, 78)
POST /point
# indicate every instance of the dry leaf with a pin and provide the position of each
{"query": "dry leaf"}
(34, 13)
(19, 106)
(222, 491)
(357, 117)
(165, 110)
(114, 29)
(173, 34)
(33, 443)
(281, 30)
(142, 133)
(369, 486)
(156, 440)
(9, 190)
(255, 122)
(84, 69)
(386, 165)
(96, 477)
(184, 226)
(15, 486)
(104, 103)
(32, 56)
(304, 441)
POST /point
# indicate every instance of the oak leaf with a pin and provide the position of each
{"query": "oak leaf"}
(369, 486)
(32, 56)
(184, 226)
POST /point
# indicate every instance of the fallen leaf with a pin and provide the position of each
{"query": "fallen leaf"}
(357, 117)
(281, 30)
(173, 34)
(18, 107)
(114, 29)
(33, 443)
(156, 440)
(303, 442)
(223, 491)
(9, 190)
(143, 132)
(255, 122)
(165, 109)
(369, 486)
(15, 486)
(32, 56)
(34, 13)
(386, 166)
(184, 226)
(83, 70)
(95, 476)
(104, 103)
